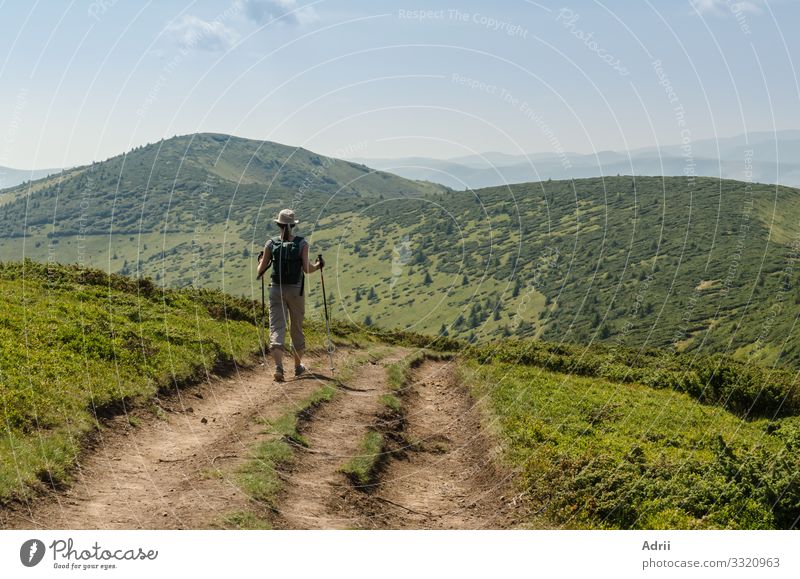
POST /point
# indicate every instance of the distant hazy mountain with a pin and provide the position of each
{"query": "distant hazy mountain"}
(12, 177)
(769, 157)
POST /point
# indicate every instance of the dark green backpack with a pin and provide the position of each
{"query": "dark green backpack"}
(287, 261)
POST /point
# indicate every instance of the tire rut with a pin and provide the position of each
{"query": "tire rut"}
(447, 474)
(316, 493)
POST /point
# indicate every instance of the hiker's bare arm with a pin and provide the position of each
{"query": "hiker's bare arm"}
(307, 266)
(266, 259)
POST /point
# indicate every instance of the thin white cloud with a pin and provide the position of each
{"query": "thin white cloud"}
(725, 7)
(192, 32)
(265, 11)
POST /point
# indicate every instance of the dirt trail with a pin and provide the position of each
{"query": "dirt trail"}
(316, 493)
(179, 471)
(446, 476)
(176, 472)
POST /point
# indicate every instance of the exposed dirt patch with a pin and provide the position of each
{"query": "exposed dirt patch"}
(446, 476)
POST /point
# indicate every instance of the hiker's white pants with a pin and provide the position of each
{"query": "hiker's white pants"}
(286, 301)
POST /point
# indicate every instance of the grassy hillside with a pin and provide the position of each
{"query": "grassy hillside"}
(609, 437)
(591, 453)
(702, 265)
(688, 264)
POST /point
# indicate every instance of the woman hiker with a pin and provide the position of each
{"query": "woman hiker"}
(288, 255)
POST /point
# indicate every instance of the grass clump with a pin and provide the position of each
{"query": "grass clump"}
(286, 426)
(391, 402)
(361, 469)
(260, 478)
(399, 373)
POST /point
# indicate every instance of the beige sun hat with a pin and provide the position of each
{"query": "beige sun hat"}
(286, 217)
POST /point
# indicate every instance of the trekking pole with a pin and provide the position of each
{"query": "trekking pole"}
(263, 312)
(263, 325)
(327, 321)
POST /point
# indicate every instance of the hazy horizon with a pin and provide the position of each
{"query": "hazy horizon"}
(359, 157)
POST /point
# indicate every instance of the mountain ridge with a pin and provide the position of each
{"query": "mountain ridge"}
(674, 262)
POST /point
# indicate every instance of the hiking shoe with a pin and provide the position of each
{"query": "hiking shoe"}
(278, 374)
(299, 370)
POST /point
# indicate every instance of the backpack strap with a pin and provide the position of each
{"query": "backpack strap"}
(299, 241)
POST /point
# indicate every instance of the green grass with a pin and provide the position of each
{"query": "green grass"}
(391, 402)
(745, 388)
(361, 468)
(596, 454)
(260, 478)
(287, 425)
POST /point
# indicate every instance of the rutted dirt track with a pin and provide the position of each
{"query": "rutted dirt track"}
(179, 471)
(444, 475)
(316, 493)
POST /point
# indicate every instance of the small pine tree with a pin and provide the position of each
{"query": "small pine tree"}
(358, 295)
(525, 328)
(368, 320)
(427, 280)
(465, 280)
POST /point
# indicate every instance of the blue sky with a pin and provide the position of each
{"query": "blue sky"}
(82, 81)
